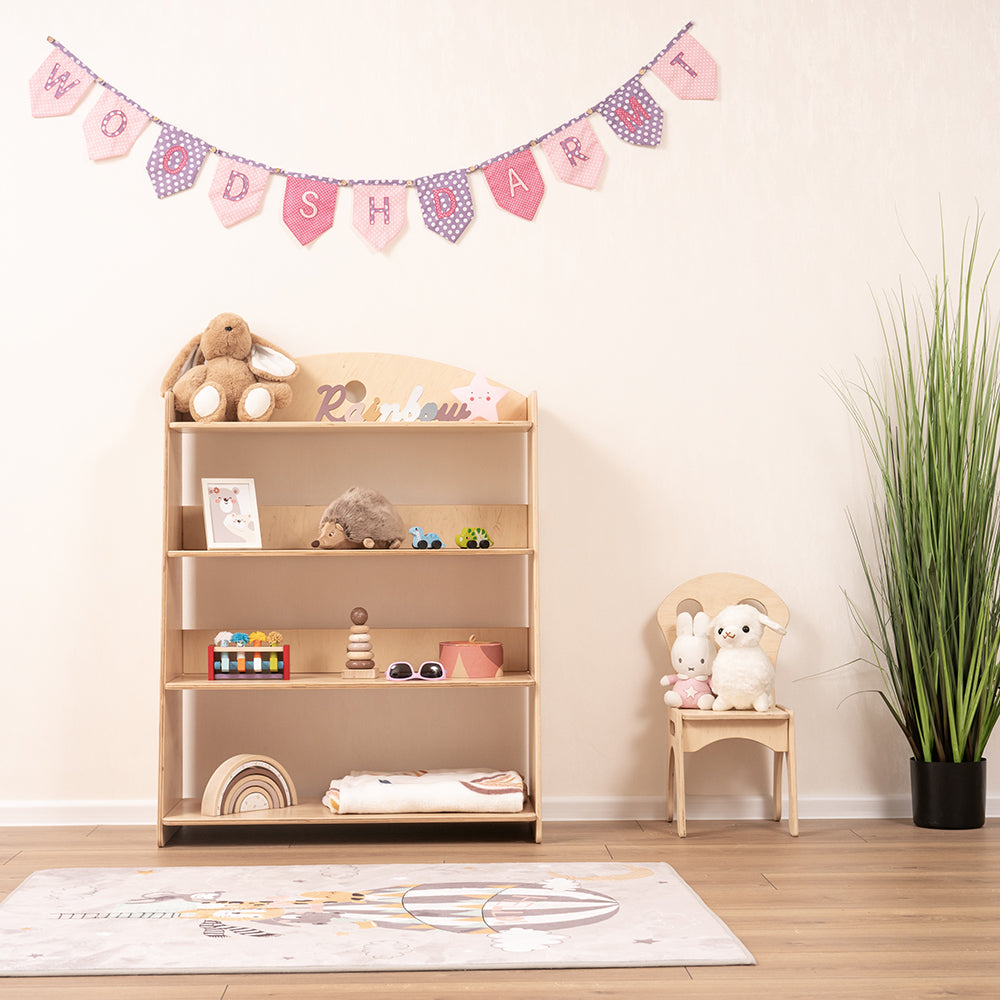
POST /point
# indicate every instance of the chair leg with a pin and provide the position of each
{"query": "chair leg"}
(793, 790)
(671, 763)
(679, 783)
(778, 755)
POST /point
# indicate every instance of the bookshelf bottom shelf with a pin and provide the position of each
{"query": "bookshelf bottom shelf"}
(188, 812)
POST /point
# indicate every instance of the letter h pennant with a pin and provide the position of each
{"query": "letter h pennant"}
(446, 203)
(633, 114)
(379, 212)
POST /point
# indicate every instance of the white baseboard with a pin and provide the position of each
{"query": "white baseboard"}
(142, 812)
(652, 808)
(86, 812)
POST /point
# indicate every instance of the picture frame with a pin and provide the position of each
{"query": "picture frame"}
(231, 517)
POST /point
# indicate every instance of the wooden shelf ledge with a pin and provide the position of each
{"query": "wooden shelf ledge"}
(188, 812)
(331, 681)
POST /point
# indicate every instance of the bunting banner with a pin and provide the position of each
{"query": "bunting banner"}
(239, 185)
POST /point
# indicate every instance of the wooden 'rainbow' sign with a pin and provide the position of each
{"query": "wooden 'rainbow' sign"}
(245, 783)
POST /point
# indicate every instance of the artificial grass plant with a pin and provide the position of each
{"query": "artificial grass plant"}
(930, 429)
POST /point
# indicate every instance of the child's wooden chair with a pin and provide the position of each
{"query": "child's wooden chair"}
(692, 729)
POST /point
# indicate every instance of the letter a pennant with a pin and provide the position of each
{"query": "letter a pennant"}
(688, 70)
(446, 203)
(516, 183)
(112, 126)
(308, 207)
(175, 161)
(576, 154)
(57, 86)
(633, 114)
(237, 190)
(379, 212)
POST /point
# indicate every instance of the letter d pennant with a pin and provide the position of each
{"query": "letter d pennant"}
(237, 190)
(446, 203)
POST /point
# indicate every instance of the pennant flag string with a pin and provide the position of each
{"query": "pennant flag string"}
(351, 183)
(239, 185)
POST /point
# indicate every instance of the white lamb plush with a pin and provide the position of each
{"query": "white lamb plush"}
(742, 675)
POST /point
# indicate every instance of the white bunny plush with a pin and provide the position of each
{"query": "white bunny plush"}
(691, 656)
(743, 675)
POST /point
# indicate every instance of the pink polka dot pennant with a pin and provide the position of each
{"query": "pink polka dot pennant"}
(308, 207)
(379, 212)
(237, 190)
(688, 70)
(112, 126)
(576, 154)
(58, 85)
(516, 184)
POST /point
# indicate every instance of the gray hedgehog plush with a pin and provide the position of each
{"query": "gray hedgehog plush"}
(360, 518)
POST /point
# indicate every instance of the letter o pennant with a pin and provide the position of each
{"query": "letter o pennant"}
(175, 161)
(112, 126)
(308, 207)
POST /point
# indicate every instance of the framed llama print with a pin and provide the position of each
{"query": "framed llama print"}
(231, 518)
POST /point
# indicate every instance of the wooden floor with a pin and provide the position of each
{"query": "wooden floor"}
(866, 908)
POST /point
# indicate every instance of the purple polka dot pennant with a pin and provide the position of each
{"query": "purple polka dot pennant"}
(633, 114)
(446, 203)
(175, 161)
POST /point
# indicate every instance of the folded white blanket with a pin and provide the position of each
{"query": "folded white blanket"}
(468, 790)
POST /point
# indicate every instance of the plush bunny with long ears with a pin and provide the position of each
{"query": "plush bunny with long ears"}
(691, 656)
(229, 373)
(743, 675)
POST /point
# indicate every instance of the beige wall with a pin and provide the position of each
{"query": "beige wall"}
(677, 324)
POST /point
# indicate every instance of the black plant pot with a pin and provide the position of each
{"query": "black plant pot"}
(948, 796)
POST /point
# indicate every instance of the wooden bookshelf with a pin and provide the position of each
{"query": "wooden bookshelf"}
(442, 476)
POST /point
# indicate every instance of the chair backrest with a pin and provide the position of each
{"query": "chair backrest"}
(713, 592)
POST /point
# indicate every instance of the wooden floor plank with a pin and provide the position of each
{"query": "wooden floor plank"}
(849, 908)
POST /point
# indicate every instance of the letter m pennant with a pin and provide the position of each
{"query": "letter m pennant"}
(633, 114)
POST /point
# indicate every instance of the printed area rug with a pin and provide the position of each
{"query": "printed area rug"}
(350, 918)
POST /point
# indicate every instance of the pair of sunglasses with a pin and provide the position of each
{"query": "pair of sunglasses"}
(430, 670)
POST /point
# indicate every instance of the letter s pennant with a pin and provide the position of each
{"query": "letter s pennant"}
(308, 207)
